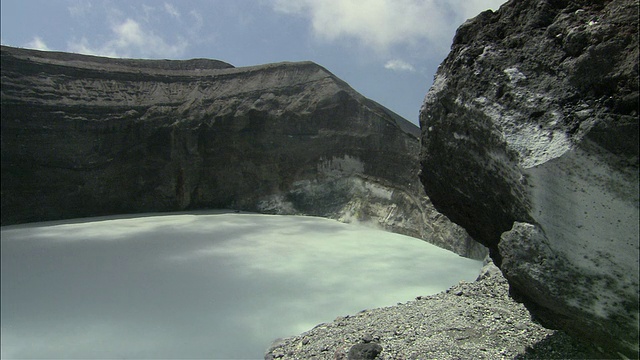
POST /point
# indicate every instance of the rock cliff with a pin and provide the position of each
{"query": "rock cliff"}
(85, 136)
(530, 142)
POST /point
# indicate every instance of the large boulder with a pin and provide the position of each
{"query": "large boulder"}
(530, 142)
(86, 136)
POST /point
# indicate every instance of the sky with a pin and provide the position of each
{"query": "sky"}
(388, 50)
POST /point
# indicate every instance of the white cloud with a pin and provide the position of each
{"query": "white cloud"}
(171, 10)
(381, 24)
(130, 39)
(82, 46)
(399, 65)
(79, 8)
(129, 33)
(38, 44)
(198, 19)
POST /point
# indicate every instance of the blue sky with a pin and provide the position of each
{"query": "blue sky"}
(388, 50)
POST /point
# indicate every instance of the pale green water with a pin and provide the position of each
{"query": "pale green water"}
(200, 285)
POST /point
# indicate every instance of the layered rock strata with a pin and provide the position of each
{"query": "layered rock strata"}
(530, 142)
(85, 136)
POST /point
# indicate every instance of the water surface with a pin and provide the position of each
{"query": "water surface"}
(200, 285)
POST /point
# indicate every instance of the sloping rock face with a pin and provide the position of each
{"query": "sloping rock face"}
(530, 142)
(85, 136)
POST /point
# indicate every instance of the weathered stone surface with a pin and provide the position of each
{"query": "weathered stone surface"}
(364, 351)
(530, 142)
(85, 136)
(475, 320)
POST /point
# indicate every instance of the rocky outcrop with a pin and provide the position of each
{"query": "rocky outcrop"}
(85, 136)
(530, 142)
(475, 320)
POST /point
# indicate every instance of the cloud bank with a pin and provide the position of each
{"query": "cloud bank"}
(383, 24)
(130, 38)
(130, 34)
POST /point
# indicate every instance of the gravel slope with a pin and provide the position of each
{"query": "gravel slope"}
(469, 321)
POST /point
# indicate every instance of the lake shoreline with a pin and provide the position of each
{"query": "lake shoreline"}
(471, 320)
(208, 284)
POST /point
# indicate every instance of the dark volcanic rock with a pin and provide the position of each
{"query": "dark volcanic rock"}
(85, 136)
(530, 142)
(364, 351)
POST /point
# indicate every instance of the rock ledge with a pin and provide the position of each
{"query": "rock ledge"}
(469, 321)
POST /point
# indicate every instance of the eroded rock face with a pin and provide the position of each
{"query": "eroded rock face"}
(85, 136)
(530, 142)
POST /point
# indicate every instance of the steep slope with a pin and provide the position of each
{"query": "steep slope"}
(84, 136)
(530, 137)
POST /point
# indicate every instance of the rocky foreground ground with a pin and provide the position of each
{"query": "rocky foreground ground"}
(469, 321)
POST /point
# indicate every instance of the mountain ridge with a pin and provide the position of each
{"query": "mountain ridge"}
(288, 138)
(180, 70)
